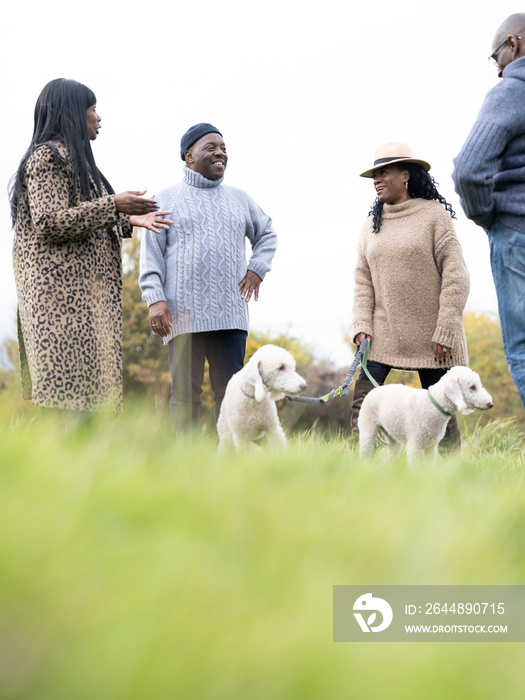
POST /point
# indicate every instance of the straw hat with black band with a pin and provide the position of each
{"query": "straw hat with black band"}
(393, 154)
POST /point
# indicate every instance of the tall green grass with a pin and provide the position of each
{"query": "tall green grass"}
(133, 566)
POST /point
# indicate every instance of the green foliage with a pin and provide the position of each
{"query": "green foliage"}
(304, 356)
(137, 567)
(10, 388)
(144, 356)
(8, 364)
(487, 358)
(495, 438)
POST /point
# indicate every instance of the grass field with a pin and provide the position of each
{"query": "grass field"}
(133, 566)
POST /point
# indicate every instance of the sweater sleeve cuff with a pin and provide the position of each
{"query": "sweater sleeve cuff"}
(361, 327)
(126, 227)
(153, 297)
(445, 338)
(259, 268)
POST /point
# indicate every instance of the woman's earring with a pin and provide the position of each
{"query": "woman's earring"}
(406, 185)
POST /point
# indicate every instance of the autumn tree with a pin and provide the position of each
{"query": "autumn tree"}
(9, 374)
(144, 355)
(487, 358)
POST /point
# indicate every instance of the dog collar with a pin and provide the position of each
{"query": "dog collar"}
(439, 408)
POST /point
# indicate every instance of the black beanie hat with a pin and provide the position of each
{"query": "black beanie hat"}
(193, 134)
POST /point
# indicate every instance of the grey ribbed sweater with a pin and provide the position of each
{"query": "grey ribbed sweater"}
(411, 286)
(489, 171)
(197, 264)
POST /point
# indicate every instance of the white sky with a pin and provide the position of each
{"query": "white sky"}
(302, 91)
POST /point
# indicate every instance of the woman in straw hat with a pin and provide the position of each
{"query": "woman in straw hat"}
(411, 281)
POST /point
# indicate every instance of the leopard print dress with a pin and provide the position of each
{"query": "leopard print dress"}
(68, 272)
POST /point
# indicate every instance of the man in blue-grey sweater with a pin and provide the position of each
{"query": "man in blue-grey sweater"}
(195, 277)
(489, 175)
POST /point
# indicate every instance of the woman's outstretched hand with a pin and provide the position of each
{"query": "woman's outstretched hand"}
(143, 212)
(132, 202)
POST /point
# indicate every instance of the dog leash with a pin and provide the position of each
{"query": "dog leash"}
(376, 385)
(365, 360)
(360, 358)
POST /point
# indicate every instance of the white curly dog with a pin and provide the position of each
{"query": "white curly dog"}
(417, 418)
(248, 411)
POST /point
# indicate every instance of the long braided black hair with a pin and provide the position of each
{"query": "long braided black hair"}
(421, 184)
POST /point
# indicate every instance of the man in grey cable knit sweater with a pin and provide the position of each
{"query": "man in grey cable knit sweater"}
(195, 277)
(489, 175)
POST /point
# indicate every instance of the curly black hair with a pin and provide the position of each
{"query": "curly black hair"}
(421, 184)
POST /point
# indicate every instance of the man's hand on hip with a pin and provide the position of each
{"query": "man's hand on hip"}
(250, 285)
(160, 318)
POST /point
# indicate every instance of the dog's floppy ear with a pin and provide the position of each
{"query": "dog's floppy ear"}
(454, 393)
(253, 377)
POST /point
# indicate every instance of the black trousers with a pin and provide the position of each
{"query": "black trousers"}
(224, 351)
(380, 372)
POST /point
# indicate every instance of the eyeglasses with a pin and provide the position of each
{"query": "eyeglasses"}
(494, 55)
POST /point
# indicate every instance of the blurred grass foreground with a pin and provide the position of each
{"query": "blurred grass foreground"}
(133, 566)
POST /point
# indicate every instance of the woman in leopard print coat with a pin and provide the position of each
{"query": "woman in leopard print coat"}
(69, 227)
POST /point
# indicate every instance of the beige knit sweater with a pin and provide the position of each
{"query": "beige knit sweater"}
(411, 286)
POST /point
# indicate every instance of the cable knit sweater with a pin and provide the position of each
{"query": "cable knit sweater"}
(411, 286)
(489, 172)
(196, 266)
